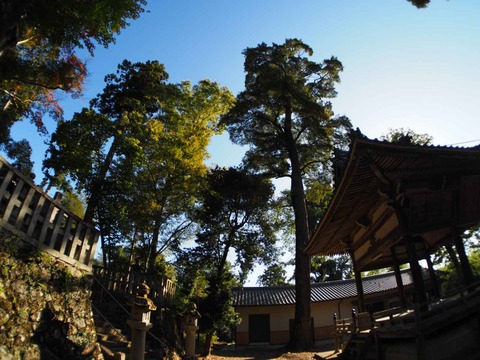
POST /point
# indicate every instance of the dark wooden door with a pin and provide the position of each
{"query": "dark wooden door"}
(259, 328)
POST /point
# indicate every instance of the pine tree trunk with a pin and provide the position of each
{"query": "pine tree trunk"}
(152, 257)
(301, 338)
(96, 191)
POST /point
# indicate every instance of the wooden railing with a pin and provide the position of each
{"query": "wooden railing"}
(38, 219)
(162, 289)
(357, 323)
(415, 321)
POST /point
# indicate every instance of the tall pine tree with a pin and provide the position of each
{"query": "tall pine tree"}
(284, 116)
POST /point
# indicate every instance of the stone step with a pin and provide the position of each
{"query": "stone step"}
(116, 336)
(114, 344)
(110, 354)
(104, 338)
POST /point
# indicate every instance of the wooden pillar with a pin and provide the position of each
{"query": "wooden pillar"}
(464, 263)
(398, 277)
(421, 296)
(433, 277)
(358, 283)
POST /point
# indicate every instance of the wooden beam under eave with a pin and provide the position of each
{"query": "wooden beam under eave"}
(385, 233)
(375, 251)
(373, 166)
(380, 221)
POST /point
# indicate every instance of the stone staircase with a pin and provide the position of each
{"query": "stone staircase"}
(113, 333)
(360, 347)
(114, 344)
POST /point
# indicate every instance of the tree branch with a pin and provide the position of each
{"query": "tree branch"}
(35, 83)
(13, 96)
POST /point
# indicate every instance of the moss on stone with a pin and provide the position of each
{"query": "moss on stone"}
(45, 308)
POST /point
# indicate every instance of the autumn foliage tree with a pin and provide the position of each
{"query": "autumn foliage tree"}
(39, 42)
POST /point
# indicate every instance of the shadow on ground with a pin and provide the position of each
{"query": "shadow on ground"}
(232, 352)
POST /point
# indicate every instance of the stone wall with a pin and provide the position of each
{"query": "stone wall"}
(45, 308)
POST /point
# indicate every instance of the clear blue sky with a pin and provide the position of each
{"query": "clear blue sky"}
(404, 67)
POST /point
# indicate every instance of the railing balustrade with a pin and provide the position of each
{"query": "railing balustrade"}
(162, 289)
(40, 220)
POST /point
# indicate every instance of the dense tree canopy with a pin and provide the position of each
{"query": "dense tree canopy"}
(65, 23)
(331, 268)
(420, 3)
(235, 221)
(39, 40)
(407, 136)
(137, 154)
(274, 275)
(235, 216)
(285, 117)
(20, 152)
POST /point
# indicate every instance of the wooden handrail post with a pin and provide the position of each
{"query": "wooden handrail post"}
(354, 321)
(335, 333)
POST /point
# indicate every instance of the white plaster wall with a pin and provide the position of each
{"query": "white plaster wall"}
(280, 316)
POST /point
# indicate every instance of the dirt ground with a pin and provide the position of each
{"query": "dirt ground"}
(229, 352)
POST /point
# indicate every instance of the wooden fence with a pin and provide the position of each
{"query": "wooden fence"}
(162, 289)
(38, 219)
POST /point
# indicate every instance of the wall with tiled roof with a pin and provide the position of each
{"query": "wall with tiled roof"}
(324, 291)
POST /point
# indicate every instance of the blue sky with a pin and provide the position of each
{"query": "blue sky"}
(403, 67)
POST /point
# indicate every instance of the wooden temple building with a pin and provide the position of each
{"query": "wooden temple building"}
(394, 204)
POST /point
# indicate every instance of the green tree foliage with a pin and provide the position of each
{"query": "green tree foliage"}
(20, 152)
(420, 4)
(235, 216)
(285, 117)
(447, 260)
(407, 136)
(73, 202)
(234, 220)
(331, 268)
(218, 316)
(274, 275)
(138, 155)
(38, 52)
(452, 276)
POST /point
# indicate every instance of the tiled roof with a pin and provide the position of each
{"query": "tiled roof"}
(324, 291)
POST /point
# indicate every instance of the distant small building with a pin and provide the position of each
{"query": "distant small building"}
(267, 312)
